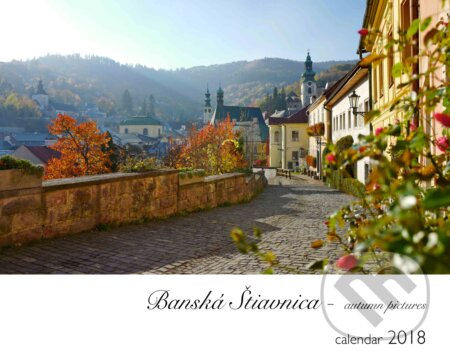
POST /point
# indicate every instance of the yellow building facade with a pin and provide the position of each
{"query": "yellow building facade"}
(142, 125)
(385, 19)
(288, 140)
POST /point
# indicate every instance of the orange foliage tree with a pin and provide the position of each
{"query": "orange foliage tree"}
(84, 149)
(214, 149)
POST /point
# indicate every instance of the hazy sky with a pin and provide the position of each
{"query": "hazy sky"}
(181, 33)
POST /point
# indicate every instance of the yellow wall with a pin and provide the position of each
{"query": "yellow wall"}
(387, 21)
(384, 87)
(281, 151)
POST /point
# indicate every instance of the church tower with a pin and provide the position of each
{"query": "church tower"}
(308, 83)
(207, 110)
(220, 97)
(41, 96)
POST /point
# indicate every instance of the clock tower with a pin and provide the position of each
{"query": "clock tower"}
(308, 82)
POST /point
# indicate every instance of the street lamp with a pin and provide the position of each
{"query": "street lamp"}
(354, 99)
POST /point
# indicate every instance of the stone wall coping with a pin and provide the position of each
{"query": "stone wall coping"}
(57, 184)
(212, 178)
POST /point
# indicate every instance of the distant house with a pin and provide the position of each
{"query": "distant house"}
(38, 155)
(144, 125)
(288, 139)
(30, 139)
(64, 109)
(51, 108)
(5, 148)
(249, 120)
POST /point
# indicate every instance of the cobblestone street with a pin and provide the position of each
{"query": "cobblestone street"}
(289, 212)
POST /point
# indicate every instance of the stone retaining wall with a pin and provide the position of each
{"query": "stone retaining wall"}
(68, 206)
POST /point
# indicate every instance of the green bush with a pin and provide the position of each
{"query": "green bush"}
(9, 163)
(190, 173)
(344, 143)
(348, 185)
(133, 164)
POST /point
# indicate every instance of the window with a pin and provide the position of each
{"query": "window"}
(145, 132)
(276, 137)
(295, 136)
(375, 84)
(366, 172)
(295, 155)
(159, 132)
(349, 119)
(126, 130)
(405, 22)
(381, 76)
(355, 119)
(390, 62)
(309, 91)
(366, 105)
(343, 120)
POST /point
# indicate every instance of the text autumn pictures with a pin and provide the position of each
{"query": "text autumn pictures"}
(232, 137)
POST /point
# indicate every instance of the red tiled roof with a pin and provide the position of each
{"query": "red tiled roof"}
(300, 117)
(44, 153)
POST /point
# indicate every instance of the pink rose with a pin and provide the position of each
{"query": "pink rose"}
(442, 143)
(378, 131)
(347, 262)
(363, 32)
(444, 119)
(331, 158)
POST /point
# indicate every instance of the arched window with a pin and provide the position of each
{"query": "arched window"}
(145, 132)
(276, 137)
(309, 91)
(126, 130)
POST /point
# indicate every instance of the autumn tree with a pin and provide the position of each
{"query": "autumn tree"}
(213, 148)
(84, 149)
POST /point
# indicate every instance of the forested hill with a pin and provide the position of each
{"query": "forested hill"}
(179, 93)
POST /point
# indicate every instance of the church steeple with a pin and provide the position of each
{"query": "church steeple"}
(220, 97)
(308, 74)
(308, 82)
(40, 89)
(207, 110)
(207, 97)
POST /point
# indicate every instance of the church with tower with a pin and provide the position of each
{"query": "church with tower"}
(308, 83)
(289, 140)
(249, 122)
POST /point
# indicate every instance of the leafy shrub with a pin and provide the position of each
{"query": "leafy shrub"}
(346, 184)
(9, 163)
(316, 129)
(311, 160)
(132, 164)
(260, 162)
(344, 143)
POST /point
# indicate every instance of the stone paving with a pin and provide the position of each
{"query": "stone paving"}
(289, 212)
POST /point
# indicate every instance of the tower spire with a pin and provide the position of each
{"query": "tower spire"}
(219, 96)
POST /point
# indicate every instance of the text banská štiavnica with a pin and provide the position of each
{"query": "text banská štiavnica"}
(162, 300)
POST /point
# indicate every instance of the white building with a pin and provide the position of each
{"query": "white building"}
(343, 121)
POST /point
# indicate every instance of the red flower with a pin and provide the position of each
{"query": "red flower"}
(362, 149)
(363, 32)
(444, 119)
(378, 131)
(442, 143)
(331, 158)
(412, 127)
(326, 222)
(347, 262)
